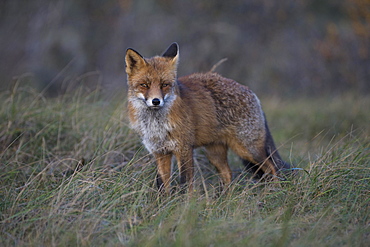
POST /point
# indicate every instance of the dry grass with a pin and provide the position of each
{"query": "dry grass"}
(73, 174)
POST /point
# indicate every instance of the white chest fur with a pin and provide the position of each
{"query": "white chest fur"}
(155, 131)
(154, 128)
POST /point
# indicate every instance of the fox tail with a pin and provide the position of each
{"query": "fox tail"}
(283, 168)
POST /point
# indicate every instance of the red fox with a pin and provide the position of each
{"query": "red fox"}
(176, 115)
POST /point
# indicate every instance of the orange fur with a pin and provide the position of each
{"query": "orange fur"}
(174, 116)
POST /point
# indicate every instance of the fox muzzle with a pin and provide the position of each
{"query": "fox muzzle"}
(155, 103)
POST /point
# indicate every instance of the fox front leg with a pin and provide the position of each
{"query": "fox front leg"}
(186, 168)
(164, 171)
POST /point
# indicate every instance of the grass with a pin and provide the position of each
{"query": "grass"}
(74, 174)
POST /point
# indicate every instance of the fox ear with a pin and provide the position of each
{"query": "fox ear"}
(134, 61)
(172, 52)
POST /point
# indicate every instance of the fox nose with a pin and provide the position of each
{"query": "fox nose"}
(156, 102)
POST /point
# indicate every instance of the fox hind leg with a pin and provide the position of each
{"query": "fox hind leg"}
(255, 157)
(273, 161)
(217, 155)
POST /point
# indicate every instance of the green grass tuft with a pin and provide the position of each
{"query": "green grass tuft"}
(73, 174)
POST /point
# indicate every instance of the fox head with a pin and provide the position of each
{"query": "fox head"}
(152, 81)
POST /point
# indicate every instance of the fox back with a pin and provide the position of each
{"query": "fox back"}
(175, 115)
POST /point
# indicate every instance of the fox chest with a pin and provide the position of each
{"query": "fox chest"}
(155, 132)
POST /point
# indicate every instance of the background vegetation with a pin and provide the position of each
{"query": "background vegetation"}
(284, 47)
(73, 174)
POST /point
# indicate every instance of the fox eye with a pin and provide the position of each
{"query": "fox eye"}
(144, 85)
(165, 85)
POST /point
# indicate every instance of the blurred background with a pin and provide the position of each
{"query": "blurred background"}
(286, 47)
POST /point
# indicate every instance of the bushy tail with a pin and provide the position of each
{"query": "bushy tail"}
(283, 168)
